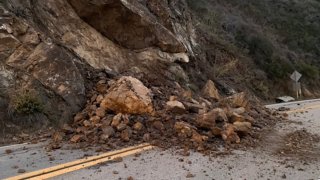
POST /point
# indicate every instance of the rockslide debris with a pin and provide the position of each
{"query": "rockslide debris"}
(126, 112)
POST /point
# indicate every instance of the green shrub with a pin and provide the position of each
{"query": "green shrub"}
(262, 88)
(268, 32)
(27, 103)
(278, 69)
(311, 72)
(259, 47)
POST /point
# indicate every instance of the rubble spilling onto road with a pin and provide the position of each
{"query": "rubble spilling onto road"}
(125, 112)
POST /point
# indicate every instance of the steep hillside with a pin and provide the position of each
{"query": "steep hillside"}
(272, 38)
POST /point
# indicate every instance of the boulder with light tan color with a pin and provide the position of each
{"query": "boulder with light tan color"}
(128, 95)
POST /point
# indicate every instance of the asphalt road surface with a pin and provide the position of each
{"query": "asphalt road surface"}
(258, 163)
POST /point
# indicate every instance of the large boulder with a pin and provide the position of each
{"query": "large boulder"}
(109, 34)
(47, 73)
(128, 95)
(54, 68)
(140, 30)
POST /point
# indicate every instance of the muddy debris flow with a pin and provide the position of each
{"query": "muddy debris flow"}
(125, 112)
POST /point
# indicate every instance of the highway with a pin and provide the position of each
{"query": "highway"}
(153, 163)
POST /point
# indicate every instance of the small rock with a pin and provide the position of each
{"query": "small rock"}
(121, 127)
(242, 127)
(237, 100)
(21, 171)
(146, 137)
(58, 136)
(193, 107)
(118, 159)
(176, 107)
(102, 88)
(8, 151)
(236, 118)
(130, 178)
(187, 94)
(239, 110)
(249, 119)
(93, 107)
(198, 138)
(76, 138)
(67, 128)
(78, 117)
(125, 135)
(102, 81)
(138, 126)
(106, 121)
(95, 119)
(99, 98)
(173, 98)
(125, 119)
(229, 135)
(208, 120)
(115, 172)
(183, 129)
(86, 123)
(93, 98)
(211, 91)
(216, 131)
(189, 175)
(158, 125)
(100, 112)
(205, 102)
(116, 120)
(108, 132)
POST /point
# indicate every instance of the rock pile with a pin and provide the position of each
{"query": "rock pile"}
(124, 111)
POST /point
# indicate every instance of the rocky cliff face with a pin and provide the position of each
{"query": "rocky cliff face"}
(52, 51)
(122, 71)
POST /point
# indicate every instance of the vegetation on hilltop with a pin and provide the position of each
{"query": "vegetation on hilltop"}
(277, 36)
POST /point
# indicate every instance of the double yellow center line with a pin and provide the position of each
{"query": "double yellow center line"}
(82, 163)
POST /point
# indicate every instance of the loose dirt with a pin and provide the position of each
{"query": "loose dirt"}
(300, 144)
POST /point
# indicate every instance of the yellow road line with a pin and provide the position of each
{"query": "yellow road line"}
(303, 109)
(82, 163)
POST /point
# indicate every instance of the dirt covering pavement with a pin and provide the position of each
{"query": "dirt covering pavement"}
(300, 144)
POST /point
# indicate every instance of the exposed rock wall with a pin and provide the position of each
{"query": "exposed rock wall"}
(108, 32)
(46, 45)
(30, 63)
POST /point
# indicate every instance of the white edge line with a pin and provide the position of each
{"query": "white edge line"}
(290, 103)
(12, 146)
